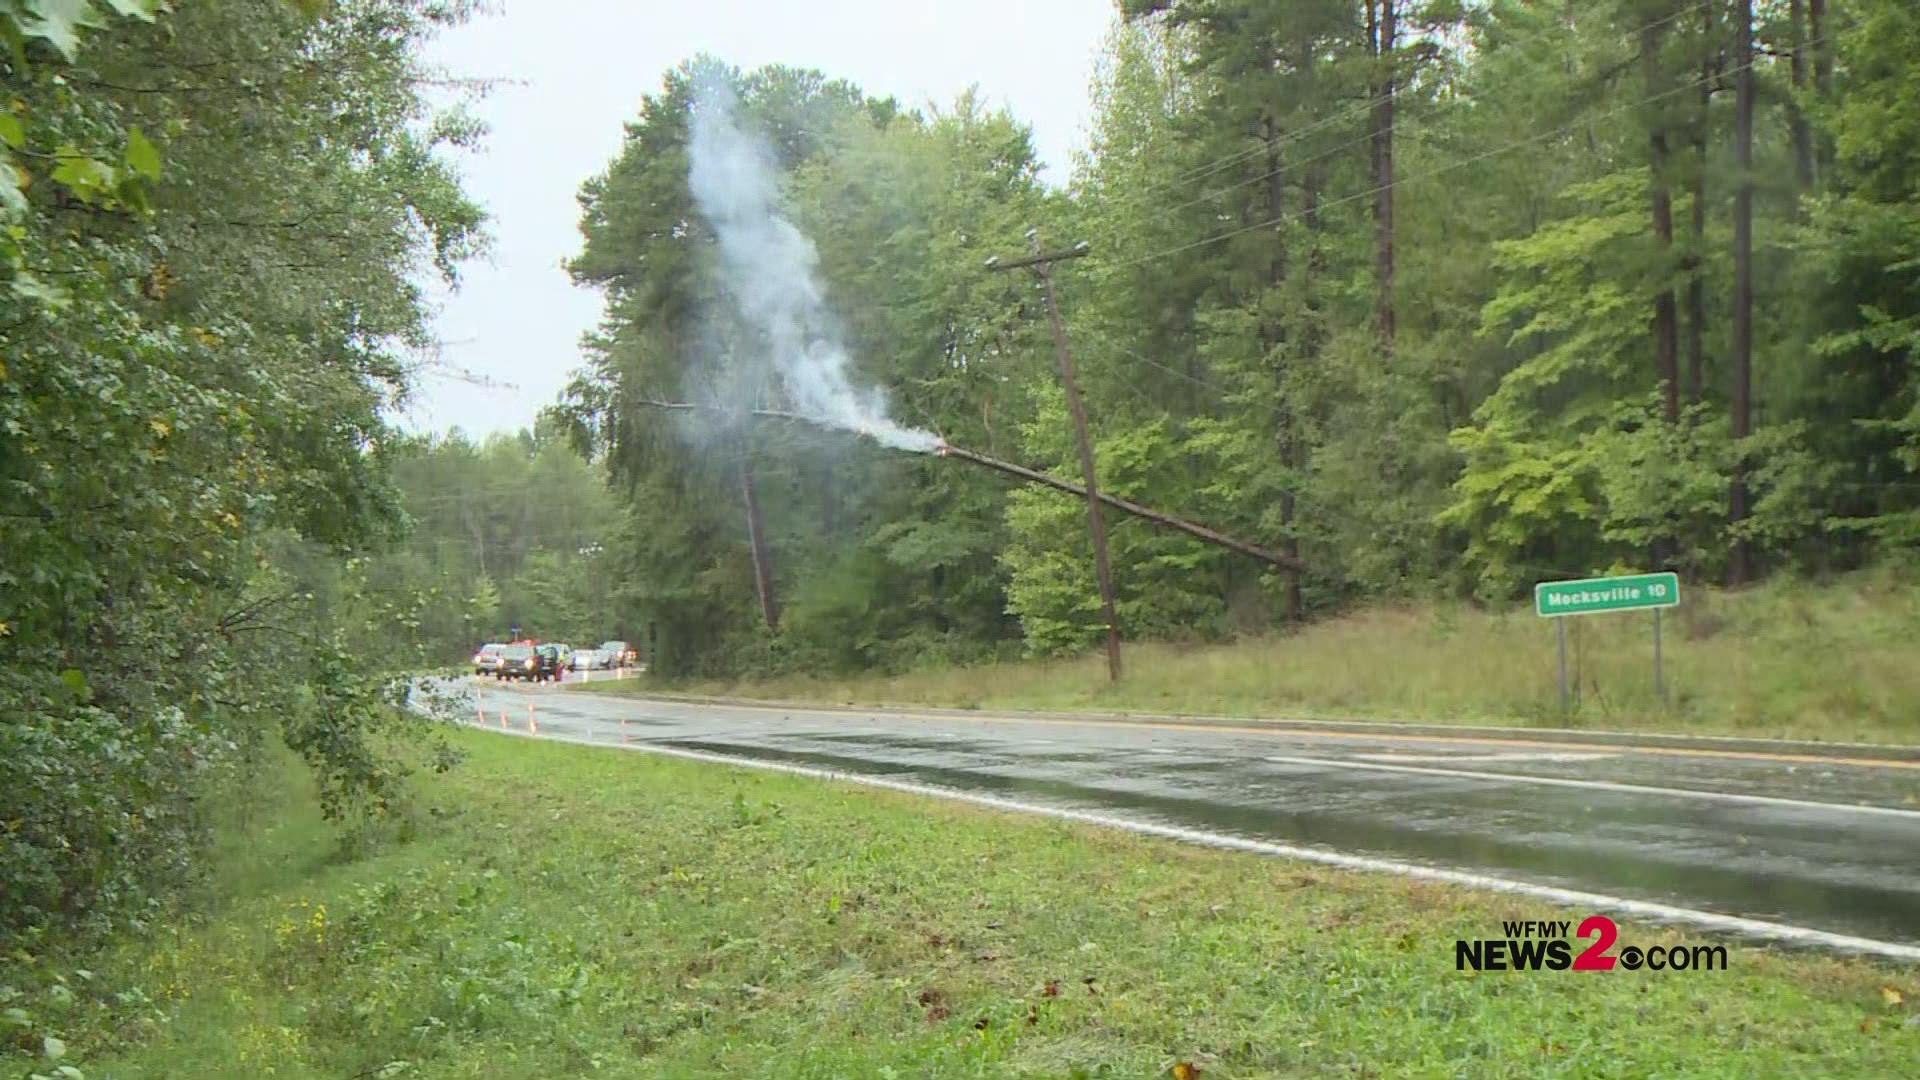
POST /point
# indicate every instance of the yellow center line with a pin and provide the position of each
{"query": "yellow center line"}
(1282, 731)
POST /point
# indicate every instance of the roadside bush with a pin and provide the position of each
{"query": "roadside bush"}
(97, 804)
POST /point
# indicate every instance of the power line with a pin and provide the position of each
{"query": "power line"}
(1206, 169)
(1201, 172)
(1175, 372)
(1662, 21)
(1283, 167)
(1431, 173)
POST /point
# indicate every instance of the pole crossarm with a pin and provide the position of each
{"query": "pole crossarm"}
(1077, 251)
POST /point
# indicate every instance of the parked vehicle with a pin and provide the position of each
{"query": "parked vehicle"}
(622, 654)
(517, 662)
(587, 660)
(487, 660)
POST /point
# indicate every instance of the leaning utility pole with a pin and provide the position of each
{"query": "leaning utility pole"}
(1126, 506)
(757, 540)
(1042, 264)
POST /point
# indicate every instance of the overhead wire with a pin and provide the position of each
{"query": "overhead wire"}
(1206, 169)
(1472, 159)
(1205, 384)
(1285, 166)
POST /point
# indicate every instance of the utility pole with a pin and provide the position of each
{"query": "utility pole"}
(1742, 404)
(757, 540)
(1042, 265)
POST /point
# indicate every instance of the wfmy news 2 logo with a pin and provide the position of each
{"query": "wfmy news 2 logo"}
(1544, 945)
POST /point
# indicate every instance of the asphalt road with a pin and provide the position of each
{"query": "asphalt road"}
(1775, 833)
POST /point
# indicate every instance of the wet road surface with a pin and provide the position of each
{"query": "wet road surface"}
(1777, 834)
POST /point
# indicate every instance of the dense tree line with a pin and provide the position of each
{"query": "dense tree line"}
(1441, 295)
(515, 530)
(215, 219)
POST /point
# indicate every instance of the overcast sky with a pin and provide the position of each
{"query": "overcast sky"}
(579, 69)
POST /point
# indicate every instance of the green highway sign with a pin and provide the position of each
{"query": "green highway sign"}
(1590, 596)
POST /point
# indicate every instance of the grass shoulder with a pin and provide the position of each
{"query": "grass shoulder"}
(552, 910)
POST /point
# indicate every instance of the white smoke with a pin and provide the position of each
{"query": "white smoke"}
(769, 267)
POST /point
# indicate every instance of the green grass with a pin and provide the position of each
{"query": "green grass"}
(555, 911)
(1833, 661)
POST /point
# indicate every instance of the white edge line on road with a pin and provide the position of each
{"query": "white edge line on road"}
(1392, 757)
(1595, 785)
(1570, 897)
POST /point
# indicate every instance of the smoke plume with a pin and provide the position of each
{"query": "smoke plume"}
(770, 269)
